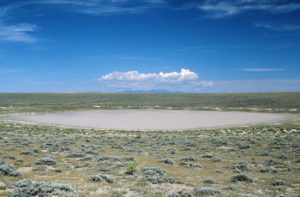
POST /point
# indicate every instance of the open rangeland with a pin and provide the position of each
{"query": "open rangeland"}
(41, 160)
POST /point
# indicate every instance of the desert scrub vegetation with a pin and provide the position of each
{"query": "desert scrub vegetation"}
(132, 167)
(45, 161)
(27, 187)
(45, 102)
(7, 170)
(48, 160)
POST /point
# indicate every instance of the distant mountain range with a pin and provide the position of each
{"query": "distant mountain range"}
(149, 91)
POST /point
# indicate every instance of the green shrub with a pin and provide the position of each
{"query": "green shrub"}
(101, 178)
(167, 161)
(153, 170)
(132, 167)
(189, 158)
(243, 166)
(28, 188)
(7, 170)
(28, 152)
(180, 194)
(209, 181)
(45, 161)
(278, 182)
(241, 177)
(232, 187)
(160, 180)
(206, 191)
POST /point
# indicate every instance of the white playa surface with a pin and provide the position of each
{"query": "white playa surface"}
(150, 119)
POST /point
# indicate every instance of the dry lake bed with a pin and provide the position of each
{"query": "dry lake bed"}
(150, 119)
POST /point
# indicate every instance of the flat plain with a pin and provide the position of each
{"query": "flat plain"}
(258, 160)
(285, 102)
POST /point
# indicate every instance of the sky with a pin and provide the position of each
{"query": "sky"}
(208, 46)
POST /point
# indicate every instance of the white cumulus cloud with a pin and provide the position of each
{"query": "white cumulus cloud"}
(183, 75)
(183, 81)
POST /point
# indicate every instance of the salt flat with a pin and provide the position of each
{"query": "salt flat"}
(150, 119)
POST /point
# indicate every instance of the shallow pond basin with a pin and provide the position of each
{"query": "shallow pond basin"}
(149, 119)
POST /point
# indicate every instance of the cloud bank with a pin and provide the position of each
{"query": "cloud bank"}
(183, 81)
(211, 8)
(18, 32)
(223, 8)
(183, 75)
(278, 27)
(263, 69)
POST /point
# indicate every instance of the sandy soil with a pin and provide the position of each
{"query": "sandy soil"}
(150, 119)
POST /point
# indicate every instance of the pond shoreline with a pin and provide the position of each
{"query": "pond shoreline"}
(150, 119)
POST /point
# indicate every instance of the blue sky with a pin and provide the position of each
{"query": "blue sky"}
(153, 45)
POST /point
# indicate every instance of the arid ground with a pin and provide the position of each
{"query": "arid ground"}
(253, 160)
